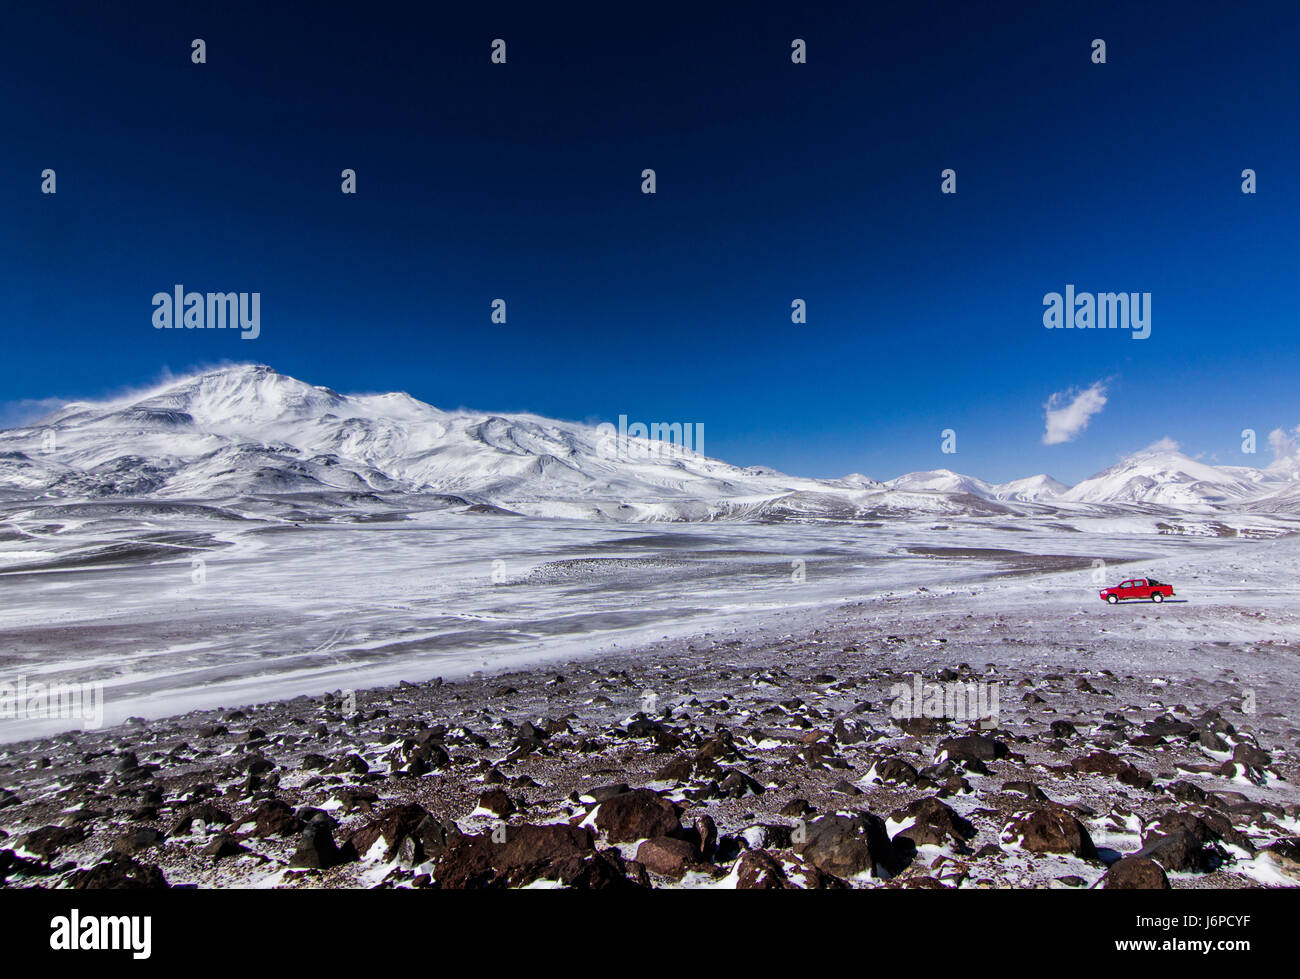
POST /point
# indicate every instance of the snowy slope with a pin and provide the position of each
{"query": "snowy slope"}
(942, 481)
(249, 432)
(1030, 489)
(1027, 490)
(1162, 475)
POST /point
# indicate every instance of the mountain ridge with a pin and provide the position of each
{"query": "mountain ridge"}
(247, 429)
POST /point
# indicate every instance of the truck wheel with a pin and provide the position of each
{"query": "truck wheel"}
(1158, 597)
(1112, 599)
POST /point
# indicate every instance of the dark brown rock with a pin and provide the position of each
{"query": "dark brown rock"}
(1106, 763)
(667, 856)
(120, 873)
(758, 870)
(223, 845)
(275, 818)
(521, 855)
(497, 802)
(1136, 873)
(972, 748)
(848, 844)
(933, 823)
(1182, 851)
(49, 840)
(392, 825)
(1050, 830)
(637, 815)
(317, 849)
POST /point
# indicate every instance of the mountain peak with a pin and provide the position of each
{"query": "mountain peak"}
(1035, 488)
(940, 481)
(1162, 474)
(240, 397)
(245, 428)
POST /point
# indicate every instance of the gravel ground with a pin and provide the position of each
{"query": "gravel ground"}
(782, 755)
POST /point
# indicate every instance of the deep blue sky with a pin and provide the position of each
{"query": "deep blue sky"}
(776, 181)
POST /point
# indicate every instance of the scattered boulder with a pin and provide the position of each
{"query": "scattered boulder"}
(1028, 789)
(1181, 850)
(848, 844)
(561, 853)
(392, 826)
(796, 808)
(736, 785)
(1050, 829)
(349, 764)
(931, 822)
(920, 727)
(120, 873)
(1106, 763)
(496, 802)
(11, 863)
(1135, 873)
(353, 798)
(275, 818)
(758, 870)
(1245, 753)
(601, 793)
(678, 769)
(667, 856)
(972, 748)
(49, 840)
(317, 849)
(640, 814)
(893, 771)
(223, 845)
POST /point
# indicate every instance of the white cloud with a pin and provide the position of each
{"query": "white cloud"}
(17, 414)
(1068, 412)
(1161, 446)
(1285, 445)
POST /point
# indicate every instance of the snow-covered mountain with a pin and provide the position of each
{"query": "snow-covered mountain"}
(1040, 488)
(1030, 489)
(942, 481)
(249, 432)
(1162, 475)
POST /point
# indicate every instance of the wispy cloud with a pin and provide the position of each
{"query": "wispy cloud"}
(17, 414)
(27, 411)
(1285, 445)
(1162, 446)
(1067, 413)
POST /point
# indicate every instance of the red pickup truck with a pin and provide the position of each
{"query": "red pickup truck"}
(1148, 588)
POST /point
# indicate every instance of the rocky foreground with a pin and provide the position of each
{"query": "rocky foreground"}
(784, 768)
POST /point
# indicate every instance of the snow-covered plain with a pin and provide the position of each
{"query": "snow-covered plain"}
(241, 536)
(275, 610)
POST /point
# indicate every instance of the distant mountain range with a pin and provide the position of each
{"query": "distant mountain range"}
(249, 432)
